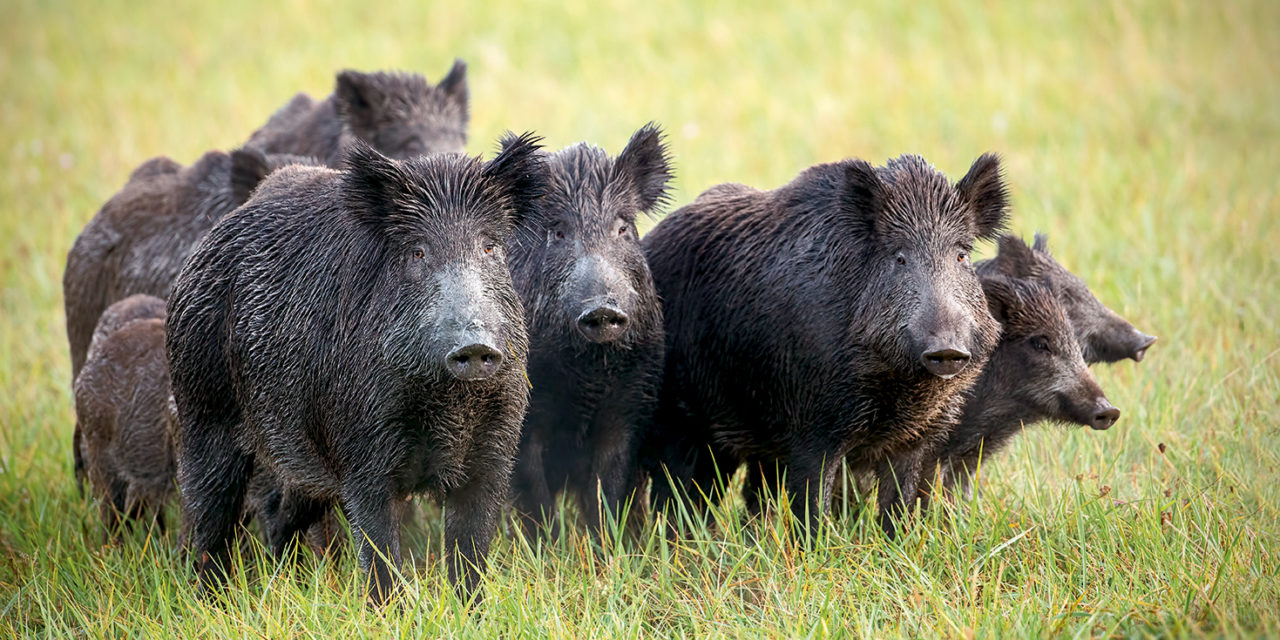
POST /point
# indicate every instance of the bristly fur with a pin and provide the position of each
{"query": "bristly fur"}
(381, 273)
(139, 239)
(121, 398)
(1022, 384)
(580, 253)
(796, 320)
(1102, 333)
(400, 194)
(399, 114)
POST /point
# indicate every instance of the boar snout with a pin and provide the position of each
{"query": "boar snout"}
(474, 361)
(1104, 415)
(1141, 344)
(603, 323)
(945, 361)
(597, 299)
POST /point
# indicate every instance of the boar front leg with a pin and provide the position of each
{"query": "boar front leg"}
(369, 506)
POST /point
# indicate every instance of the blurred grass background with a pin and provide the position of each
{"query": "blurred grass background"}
(1141, 135)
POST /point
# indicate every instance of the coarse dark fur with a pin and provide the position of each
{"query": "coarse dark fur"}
(357, 333)
(400, 114)
(595, 328)
(1104, 335)
(798, 322)
(1036, 373)
(138, 241)
(122, 397)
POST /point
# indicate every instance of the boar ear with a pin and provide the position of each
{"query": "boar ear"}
(645, 164)
(369, 182)
(519, 172)
(357, 96)
(454, 85)
(1014, 258)
(984, 189)
(1002, 296)
(248, 168)
(1041, 243)
(864, 196)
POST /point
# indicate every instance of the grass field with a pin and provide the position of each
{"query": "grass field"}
(1144, 137)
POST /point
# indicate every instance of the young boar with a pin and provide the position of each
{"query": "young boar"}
(1036, 373)
(595, 327)
(122, 397)
(1103, 335)
(833, 317)
(138, 241)
(399, 114)
(356, 332)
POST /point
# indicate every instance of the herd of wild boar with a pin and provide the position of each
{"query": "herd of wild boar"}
(348, 311)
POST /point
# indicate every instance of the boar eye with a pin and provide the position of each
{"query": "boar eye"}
(559, 234)
(488, 248)
(963, 256)
(622, 230)
(900, 259)
(419, 254)
(1041, 343)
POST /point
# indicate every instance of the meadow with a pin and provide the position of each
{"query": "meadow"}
(1142, 136)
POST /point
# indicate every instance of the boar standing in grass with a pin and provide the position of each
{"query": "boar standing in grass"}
(1036, 373)
(595, 328)
(357, 333)
(400, 114)
(122, 397)
(1103, 335)
(834, 317)
(137, 242)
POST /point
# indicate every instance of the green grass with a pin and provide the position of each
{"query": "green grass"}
(1143, 136)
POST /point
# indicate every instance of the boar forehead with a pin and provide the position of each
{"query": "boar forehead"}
(449, 193)
(922, 208)
(583, 192)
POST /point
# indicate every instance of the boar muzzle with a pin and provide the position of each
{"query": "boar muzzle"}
(475, 361)
(603, 323)
(945, 362)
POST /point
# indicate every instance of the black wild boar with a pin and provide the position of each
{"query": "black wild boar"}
(399, 114)
(595, 327)
(835, 316)
(122, 397)
(1036, 373)
(137, 242)
(1104, 336)
(357, 333)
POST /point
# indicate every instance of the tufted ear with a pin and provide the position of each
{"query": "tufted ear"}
(1014, 258)
(358, 97)
(454, 86)
(645, 166)
(370, 182)
(519, 172)
(1041, 243)
(248, 167)
(1003, 297)
(984, 190)
(863, 195)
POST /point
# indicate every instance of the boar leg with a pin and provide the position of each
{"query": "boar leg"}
(470, 520)
(762, 482)
(215, 477)
(534, 500)
(369, 507)
(296, 514)
(899, 478)
(610, 478)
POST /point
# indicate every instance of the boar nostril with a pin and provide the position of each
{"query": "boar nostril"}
(945, 363)
(603, 324)
(1144, 342)
(1106, 417)
(473, 362)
